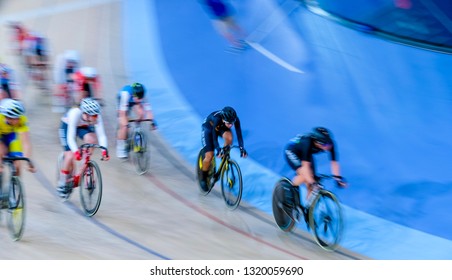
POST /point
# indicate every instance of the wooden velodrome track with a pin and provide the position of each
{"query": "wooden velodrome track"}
(157, 216)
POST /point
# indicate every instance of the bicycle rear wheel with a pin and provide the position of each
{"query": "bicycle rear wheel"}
(141, 155)
(199, 172)
(16, 209)
(91, 189)
(282, 212)
(325, 220)
(231, 184)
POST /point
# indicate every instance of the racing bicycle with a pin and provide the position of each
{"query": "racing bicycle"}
(228, 172)
(322, 213)
(88, 177)
(13, 201)
(137, 144)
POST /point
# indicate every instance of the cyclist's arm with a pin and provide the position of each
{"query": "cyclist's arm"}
(335, 168)
(73, 117)
(238, 130)
(100, 132)
(216, 122)
(148, 110)
(123, 107)
(27, 148)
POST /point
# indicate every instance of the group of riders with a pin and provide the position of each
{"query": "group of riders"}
(84, 120)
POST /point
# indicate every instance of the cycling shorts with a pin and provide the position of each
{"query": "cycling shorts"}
(207, 139)
(12, 142)
(80, 133)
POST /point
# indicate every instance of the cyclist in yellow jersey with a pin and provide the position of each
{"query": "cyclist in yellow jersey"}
(14, 132)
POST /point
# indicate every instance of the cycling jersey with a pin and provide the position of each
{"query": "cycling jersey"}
(302, 148)
(9, 134)
(73, 125)
(7, 81)
(83, 83)
(126, 100)
(213, 127)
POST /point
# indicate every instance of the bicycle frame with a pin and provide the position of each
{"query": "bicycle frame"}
(86, 157)
(224, 159)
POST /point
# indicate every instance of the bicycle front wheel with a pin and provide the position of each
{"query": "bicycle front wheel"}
(282, 212)
(231, 184)
(325, 220)
(91, 188)
(141, 155)
(16, 209)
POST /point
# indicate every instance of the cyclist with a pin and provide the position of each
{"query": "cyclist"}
(9, 87)
(299, 155)
(131, 97)
(66, 65)
(36, 55)
(216, 124)
(87, 84)
(18, 35)
(84, 121)
(14, 132)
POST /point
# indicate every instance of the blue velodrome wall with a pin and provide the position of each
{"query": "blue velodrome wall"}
(389, 107)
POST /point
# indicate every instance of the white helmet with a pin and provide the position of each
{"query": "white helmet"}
(89, 72)
(71, 55)
(90, 106)
(12, 108)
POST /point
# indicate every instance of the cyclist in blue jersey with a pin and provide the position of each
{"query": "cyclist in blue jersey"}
(9, 88)
(216, 124)
(131, 97)
(299, 155)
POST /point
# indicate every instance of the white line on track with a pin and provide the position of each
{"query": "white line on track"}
(274, 57)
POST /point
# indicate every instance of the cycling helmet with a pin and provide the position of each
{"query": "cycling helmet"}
(3, 69)
(228, 114)
(138, 90)
(90, 106)
(71, 55)
(322, 135)
(89, 72)
(12, 108)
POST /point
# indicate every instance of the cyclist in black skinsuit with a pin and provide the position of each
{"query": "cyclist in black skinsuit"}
(216, 124)
(299, 155)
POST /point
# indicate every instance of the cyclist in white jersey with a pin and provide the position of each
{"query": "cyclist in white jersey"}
(85, 122)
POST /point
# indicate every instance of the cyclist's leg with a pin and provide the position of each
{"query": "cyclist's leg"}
(67, 166)
(121, 136)
(227, 137)
(294, 161)
(208, 146)
(88, 135)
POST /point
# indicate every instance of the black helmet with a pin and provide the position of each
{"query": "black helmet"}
(228, 114)
(138, 90)
(321, 135)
